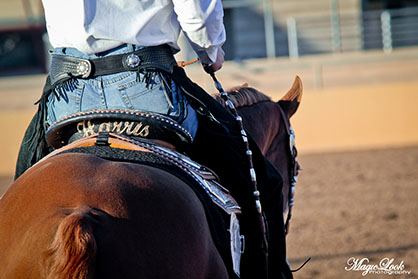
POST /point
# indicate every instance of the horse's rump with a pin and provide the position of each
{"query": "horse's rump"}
(151, 223)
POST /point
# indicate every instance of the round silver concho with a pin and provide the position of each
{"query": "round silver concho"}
(133, 61)
(84, 69)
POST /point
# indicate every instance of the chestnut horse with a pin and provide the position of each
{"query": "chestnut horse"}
(80, 216)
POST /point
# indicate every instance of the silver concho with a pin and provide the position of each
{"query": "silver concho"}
(237, 243)
(133, 61)
(84, 68)
(292, 141)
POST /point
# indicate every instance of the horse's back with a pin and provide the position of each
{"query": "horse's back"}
(133, 221)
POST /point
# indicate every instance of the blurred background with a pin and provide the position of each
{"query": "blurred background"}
(356, 128)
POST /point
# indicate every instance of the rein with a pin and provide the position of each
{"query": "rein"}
(294, 167)
(256, 193)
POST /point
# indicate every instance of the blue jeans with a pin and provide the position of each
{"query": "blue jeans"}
(119, 91)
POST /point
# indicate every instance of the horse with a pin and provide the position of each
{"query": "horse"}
(80, 216)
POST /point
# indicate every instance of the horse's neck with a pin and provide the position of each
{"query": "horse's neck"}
(262, 122)
(261, 116)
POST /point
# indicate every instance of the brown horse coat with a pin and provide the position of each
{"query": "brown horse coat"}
(134, 207)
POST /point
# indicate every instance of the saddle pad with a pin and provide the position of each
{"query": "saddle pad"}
(218, 220)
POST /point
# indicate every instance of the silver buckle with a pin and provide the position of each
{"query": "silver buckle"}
(84, 68)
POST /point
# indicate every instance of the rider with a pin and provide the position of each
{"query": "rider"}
(108, 28)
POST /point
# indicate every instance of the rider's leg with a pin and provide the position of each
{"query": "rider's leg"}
(225, 154)
(270, 184)
(218, 150)
(218, 144)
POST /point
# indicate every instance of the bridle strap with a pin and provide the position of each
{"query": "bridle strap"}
(293, 169)
(285, 120)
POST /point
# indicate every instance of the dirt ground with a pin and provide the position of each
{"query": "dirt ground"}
(355, 204)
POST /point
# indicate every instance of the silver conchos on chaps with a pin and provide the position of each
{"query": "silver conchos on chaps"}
(134, 130)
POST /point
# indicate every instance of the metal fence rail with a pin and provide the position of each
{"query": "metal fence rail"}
(385, 29)
(257, 34)
(268, 18)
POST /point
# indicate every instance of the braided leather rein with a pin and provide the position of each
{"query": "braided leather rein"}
(256, 193)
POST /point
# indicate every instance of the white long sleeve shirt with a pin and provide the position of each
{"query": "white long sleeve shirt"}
(100, 25)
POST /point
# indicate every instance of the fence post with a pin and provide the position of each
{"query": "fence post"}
(269, 29)
(385, 19)
(292, 38)
(317, 72)
(335, 27)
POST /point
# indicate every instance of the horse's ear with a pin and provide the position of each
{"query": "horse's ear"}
(291, 100)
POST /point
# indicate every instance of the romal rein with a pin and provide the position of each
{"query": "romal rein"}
(256, 193)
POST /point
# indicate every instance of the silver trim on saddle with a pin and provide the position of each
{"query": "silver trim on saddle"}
(207, 179)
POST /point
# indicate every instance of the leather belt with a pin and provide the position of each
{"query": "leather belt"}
(155, 58)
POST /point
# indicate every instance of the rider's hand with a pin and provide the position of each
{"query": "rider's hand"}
(218, 63)
(219, 60)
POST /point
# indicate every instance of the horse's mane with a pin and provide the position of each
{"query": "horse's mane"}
(243, 96)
